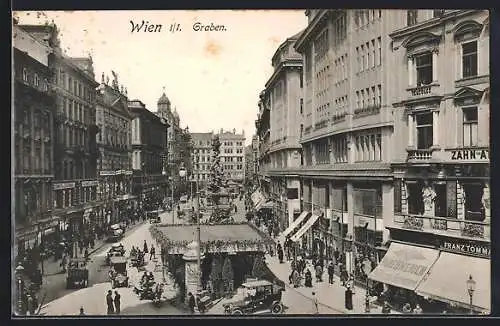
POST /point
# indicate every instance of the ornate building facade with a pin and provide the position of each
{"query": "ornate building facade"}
(201, 158)
(34, 110)
(232, 155)
(283, 93)
(115, 152)
(149, 141)
(75, 152)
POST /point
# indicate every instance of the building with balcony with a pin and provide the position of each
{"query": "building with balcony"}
(440, 84)
(283, 93)
(346, 133)
(149, 144)
(201, 157)
(75, 192)
(232, 155)
(33, 126)
(249, 164)
(114, 164)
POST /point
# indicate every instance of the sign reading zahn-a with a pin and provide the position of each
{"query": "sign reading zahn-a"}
(470, 155)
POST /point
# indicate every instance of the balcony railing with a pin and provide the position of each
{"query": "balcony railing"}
(422, 91)
(322, 124)
(369, 110)
(444, 226)
(420, 155)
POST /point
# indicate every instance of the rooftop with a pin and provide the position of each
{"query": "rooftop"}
(209, 233)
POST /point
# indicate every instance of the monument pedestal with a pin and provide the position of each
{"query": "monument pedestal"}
(192, 279)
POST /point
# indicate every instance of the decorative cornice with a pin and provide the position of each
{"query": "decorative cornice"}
(311, 28)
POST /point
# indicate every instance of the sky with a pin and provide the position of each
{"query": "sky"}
(212, 78)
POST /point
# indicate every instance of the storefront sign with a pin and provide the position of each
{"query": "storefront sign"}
(462, 247)
(90, 183)
(66, 185)
(106, 173)
(470, 155)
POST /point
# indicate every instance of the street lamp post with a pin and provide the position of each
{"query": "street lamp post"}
(367, 268)
(471, 287)
(172, 203)
(19, 272)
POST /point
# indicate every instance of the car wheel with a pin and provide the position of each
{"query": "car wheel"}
(277, 308)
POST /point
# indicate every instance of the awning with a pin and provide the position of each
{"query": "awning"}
(404, 266)
(447, 280)
(304, 228)
(295, 223)
(257, 197)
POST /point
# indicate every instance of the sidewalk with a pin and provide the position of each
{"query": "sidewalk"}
(51, 267)
(329, 295)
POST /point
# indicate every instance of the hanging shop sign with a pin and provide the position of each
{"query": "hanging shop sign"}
(466, 247)
(66, 185)
(90, 183)
(470, 155)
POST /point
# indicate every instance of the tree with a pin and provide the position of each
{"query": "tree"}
(259, 269)
(227, 275)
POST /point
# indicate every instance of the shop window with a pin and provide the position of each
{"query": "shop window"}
(424, 69)
(469, 59)
(445, 204)
(415, 200)
(470, 127)
(473, 206)
(424, 130)
(411, 17)
(397, 196)
(25, 75)
(367, 202)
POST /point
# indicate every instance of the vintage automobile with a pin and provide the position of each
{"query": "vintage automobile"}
(255, 297)
(115, 233)
(154, 216)
(77, 273)
(118, 272)
(116, 250)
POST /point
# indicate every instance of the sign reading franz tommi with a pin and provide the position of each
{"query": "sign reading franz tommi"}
(480, 250)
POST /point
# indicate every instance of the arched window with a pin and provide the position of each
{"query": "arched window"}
(36, 80)
(25, 75)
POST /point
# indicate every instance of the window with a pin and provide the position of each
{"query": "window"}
(415, 201)
(292, 193)
(469, 59)
(374, 51)
(424, 130)
(301, 80)
(411, 18)
(357, 99)
(437, 13)
(362, 98)
(70, 83)
(397, 196)
(474, 210)
(374, 97)
(379, 45)
(45, 85)
(322, 152)
(379, 13)
(36, 80)
(301, 106)
(362, 67)
(358, 59)
(367, 64)
(25, 75)
(339, 149)
(424, 69)
(470, 130)
(379, 88)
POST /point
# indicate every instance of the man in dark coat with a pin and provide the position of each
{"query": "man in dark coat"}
(191, 302)
(117, 302)
(109, 303)
(331, 272)
(279, 249)
(145, 247)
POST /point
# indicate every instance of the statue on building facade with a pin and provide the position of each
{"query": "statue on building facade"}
(428, 196)
(102, 78)
(485, 200)
(115, 80)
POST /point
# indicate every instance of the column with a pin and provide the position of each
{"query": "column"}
(435, 128)
(411, 130)
(434, 65)
(387, 209)
(410, 71)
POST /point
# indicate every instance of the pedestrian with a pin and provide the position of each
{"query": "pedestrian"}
(315, 304)
(331, 272)
(295, 278)
(418, 310)
(145, 247)
(308, 279)
(348, 298)
(191, 302)
(162, 253)
(82, 312)
(86, 254)
(152, 253)
(280, 253)
(116, 300)
(319, 273)
(109, 303)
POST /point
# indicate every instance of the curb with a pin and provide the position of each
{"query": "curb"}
(342, 310)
